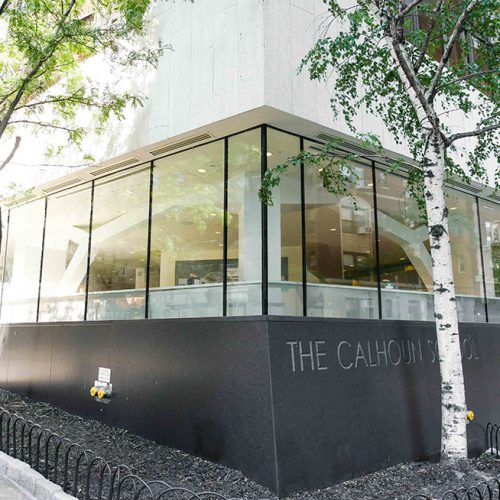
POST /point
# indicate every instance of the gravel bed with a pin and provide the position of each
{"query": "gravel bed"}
(152, 461)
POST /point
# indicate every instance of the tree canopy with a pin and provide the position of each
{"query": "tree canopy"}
(44, 42)
(419, 66)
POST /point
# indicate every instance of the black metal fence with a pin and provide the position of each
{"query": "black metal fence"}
(492, 438)
(485, 490)
(81, 472)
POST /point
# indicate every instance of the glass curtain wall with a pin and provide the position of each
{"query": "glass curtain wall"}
(340, 245)
(466, 255)
(244, 229)
(22, 268)
(284, 223)
(120, 221)
(186, 269)
(405, 261)
(196, 218)
(64, 268)
(4, 214)
(490, 236)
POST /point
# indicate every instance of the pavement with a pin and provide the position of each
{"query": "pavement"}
(10, 491)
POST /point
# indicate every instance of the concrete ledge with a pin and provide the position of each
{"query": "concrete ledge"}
(30, 480)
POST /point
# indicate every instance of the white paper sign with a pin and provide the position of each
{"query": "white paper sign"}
(104, 375)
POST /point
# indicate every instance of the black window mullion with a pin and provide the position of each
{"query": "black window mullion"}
(42, 251)
(303, 231)
(377, 242)
(148, 250)
(225, 229)
(482, 259)
(263, 169)
(89, 249)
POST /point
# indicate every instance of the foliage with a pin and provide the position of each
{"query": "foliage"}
(43, 45)
(418, 80)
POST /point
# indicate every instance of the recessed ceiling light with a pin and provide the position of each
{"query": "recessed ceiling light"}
(333, 229)
(217, 232)
(201, 170)
(269, 154)
(453, 208)
(213, 215)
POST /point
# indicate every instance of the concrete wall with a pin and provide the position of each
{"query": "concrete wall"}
(227, 57)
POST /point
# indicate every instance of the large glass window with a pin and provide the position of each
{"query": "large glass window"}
(4, 214)
(405, 261)
(284, 222)
(117, 277)
(64, 269)
(186, 272)
(22, 269)
(244, 273)
(490, 232)
(340, 246)
(466, 256)
(189, 264)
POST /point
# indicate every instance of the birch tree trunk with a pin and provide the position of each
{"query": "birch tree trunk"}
(453, 406)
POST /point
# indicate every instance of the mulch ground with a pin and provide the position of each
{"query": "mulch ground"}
(152, 461)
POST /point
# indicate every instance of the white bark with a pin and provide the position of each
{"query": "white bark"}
(453, 406)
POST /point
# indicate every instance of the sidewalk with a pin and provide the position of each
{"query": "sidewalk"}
(10, 491)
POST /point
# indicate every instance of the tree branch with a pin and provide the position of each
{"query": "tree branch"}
(3, 6)
(467, 77)
(45, 125)
(407, 9)
(472, 133)
(431, 91)
(12, 153)
(5, 119)
(428, 35)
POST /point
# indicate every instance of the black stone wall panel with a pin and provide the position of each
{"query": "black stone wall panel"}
(202, 386)
(79, 349)
(29, 360)
(369, 395)
(295, 403)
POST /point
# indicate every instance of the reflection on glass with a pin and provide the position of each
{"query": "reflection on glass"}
(4, 229)
(117, 278)
(244, 274)
(22, 269)
(405, 261)
(490, 232)
(340, 253)
(284, 224)
(64, 269)
(466, 257)
(186, 270)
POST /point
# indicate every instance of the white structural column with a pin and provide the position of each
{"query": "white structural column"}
(249, 230)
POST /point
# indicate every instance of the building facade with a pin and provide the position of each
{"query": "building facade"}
(294, 341)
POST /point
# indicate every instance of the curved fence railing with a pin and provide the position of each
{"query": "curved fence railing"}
(485, 490)
(492, 439)
(81, 472)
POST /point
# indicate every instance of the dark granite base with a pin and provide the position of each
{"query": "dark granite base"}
(295, 403)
